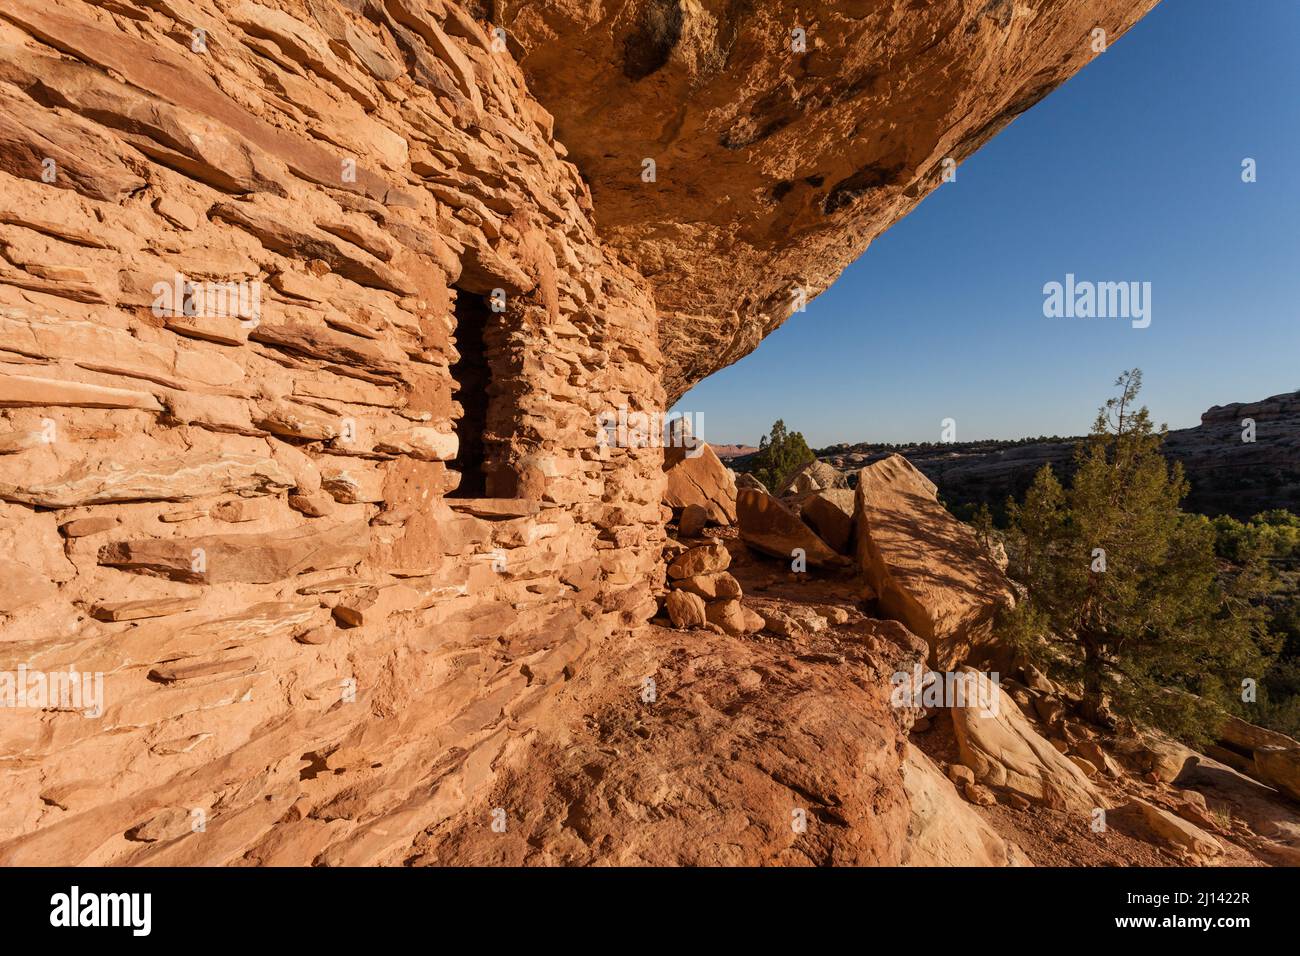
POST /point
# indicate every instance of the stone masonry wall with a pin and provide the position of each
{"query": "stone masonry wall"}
(240, 511)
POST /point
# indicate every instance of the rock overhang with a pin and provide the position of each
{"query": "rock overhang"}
(780, 155)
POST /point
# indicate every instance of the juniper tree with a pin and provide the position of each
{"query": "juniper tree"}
(1124, 592)
(780, 454)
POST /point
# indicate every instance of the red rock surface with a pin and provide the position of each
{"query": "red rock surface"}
(348, 554)
(926, 566)
(775, 167)
(242, 519)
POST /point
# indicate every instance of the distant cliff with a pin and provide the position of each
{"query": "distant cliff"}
(1228, 474)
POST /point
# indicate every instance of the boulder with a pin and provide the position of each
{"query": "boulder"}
(1165, 829)
(746, 480)
(927, 567)
(942, 829)
(768, 526)
(711, 587)
(1279, 767)
(815, 476)
(1003, 750)
(830, 514)
(692, 522)
(702, 559)
(696, 476)
(1166, 758)
(685, 609)
(733, 617)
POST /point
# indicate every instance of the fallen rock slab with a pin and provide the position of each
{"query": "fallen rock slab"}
(830, 514)
(1004, 751)
(696, 476)
(1172, 832)
(927, 567)
(768, 526)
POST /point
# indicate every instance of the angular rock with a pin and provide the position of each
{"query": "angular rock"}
(1174, 833)
(697, 477)
(926, 566)
(830, 514)
(768, 526)
(1005, 753)
(686, 609)
(703, 559)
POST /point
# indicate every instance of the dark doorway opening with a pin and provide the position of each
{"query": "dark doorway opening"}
(473, 374)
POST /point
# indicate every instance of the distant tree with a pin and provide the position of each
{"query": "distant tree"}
(1124, 592)
(1268, 548)
(780, 454)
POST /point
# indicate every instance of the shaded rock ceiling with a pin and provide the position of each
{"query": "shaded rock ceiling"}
(775, 169)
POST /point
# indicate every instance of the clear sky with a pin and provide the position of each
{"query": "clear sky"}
(1130, 171)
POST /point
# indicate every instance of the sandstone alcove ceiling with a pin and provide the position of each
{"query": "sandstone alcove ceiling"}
(775, 169)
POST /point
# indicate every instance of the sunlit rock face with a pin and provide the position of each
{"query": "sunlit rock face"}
(310, 314)
(784, 136)
(305, 333)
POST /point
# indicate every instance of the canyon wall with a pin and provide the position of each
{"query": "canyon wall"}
(245, 513)
(308, 322)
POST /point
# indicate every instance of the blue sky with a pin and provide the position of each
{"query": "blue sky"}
(1129, 171)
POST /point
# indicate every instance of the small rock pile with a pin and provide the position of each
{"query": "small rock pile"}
(703, 593)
